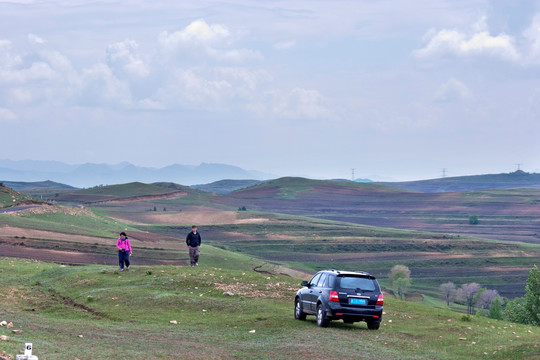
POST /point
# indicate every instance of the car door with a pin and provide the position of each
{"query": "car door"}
(311, 294)
(320, 290)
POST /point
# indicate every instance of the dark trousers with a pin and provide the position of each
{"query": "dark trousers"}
(194, 254)
(123, 257)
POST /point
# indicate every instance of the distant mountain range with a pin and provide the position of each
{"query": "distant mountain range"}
(88, 175)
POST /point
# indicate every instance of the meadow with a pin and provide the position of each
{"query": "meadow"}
(95, 312)
(78, 302)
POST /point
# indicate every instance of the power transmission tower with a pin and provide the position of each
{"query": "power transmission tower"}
(518, 167)
(444, 172)
(352, 174)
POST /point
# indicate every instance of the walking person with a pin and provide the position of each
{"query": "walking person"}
(124, 251)
(193, 241)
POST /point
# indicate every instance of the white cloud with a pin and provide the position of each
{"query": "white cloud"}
(285, 45)
(532, 37)
(7, 115)
(211, 40)
(34, 39)
(458, 43)
(37, 71)
(453, 90)
(7, 60)
(99, 86)
(235, 55)
(123, 56)
(196, 33)
(302, 103)
(475, 43)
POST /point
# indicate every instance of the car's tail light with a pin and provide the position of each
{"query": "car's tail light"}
(380, 300)
(333, 296)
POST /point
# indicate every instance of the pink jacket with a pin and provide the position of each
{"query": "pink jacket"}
(123, 245)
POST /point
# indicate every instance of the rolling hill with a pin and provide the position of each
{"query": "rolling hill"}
(515, 180)
(302, 224)
(505, 214)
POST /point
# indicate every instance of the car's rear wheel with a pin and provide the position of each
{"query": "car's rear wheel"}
(373, 325)
(322, 321)
(299, 313)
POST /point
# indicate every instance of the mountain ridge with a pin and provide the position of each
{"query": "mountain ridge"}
(92, 174)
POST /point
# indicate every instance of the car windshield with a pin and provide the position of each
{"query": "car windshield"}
(354, 282)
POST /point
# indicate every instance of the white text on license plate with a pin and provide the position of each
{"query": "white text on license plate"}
(358, 301)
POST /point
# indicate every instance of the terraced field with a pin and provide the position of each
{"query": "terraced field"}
(306, 225)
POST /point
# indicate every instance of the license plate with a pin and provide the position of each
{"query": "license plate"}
(358, 301)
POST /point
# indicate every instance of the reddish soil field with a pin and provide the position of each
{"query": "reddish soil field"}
(71, 257)
(509, 216)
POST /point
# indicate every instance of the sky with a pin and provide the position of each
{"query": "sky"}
(396, 90)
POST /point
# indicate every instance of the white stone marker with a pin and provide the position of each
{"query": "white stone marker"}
(27, 353)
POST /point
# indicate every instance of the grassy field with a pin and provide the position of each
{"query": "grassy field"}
(95, 312)
(10, 197)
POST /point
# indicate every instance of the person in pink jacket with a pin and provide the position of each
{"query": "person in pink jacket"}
(124, 251)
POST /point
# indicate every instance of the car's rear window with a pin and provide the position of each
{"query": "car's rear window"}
(356, 282)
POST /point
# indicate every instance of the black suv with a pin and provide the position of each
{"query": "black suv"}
(333, 295)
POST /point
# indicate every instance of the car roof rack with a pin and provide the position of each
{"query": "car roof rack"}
(350, 272)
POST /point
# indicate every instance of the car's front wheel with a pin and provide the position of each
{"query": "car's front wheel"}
(373, 325)
(322, 321)
(299, 313)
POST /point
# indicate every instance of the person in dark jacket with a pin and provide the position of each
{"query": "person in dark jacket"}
(193, 241)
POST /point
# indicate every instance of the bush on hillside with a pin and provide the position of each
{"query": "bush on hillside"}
(400, 277)
(473, 220)
(495, 311)
(526, 310)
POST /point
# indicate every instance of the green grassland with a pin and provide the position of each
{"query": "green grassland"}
(95, 312)
(10, 197)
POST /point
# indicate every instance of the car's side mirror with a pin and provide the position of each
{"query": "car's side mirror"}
(304, 283)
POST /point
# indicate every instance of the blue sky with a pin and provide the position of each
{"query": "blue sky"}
(394, 89)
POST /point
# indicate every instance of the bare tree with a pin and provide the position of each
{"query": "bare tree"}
(466, 293)
(485, 299)
(448, 292)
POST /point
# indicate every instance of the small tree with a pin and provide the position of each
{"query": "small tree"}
(467, 294)
(473, 220)
(526, 310)
(400, 277)
(155, 208)
(495, 310)
(532, 296)
(448, 292)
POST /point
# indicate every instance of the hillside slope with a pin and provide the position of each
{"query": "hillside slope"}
(505, 214)
(514, 180)
(10, 197)
(94, 312)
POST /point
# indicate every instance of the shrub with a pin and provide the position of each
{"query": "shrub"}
(473, 220)
(400, 277)
(495, 310)
(526, 310)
